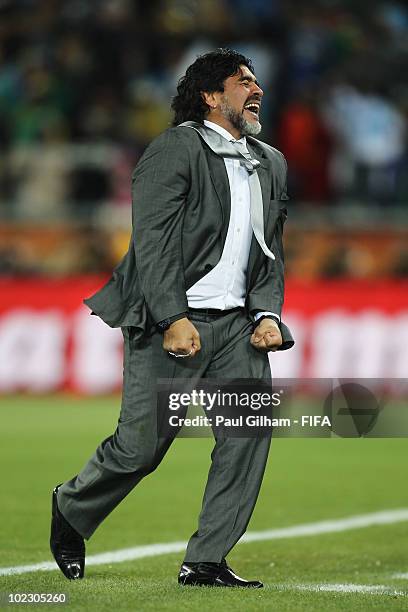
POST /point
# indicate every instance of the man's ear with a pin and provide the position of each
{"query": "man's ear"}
(209, 99)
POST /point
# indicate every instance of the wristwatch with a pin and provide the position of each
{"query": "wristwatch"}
(165, 324)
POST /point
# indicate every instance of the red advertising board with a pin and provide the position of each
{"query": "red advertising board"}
(49, 341)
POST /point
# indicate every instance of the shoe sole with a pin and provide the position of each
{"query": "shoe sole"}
(212, 583)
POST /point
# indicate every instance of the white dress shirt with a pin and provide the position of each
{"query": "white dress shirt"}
(224, 286)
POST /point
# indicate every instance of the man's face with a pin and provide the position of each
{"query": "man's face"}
(240, 102)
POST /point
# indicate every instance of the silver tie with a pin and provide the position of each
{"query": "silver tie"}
(257, 219)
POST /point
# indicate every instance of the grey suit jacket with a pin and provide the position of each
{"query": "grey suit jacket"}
(180, 214)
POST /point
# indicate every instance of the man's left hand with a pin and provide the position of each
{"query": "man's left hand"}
(267, 336)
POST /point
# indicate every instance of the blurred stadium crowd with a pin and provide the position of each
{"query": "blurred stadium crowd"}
(85, 86)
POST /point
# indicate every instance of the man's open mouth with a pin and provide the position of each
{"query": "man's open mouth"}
(253, 108)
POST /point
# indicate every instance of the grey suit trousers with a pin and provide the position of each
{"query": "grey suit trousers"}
(134, 450)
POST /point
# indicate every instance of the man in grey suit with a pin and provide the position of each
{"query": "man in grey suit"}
(199, 294)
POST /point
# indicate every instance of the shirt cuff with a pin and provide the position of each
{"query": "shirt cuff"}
(265, 313)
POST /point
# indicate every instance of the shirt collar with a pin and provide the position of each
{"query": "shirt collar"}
(223, 132)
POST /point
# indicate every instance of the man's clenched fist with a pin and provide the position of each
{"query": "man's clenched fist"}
(267, 336)
(182, 338)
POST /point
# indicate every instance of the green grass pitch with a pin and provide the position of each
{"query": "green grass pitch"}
(46, 440)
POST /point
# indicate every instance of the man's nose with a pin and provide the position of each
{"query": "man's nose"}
(257, 90)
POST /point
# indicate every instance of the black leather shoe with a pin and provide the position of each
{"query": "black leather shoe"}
(67, 545)
(213, 574)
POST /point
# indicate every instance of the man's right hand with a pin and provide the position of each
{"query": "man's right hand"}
(182, 338)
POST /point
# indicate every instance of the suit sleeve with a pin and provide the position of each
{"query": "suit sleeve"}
(267, 292)
(160, 184)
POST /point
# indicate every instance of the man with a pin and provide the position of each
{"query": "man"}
(199, 294)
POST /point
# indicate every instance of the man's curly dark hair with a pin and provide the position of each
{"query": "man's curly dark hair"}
(208, 73)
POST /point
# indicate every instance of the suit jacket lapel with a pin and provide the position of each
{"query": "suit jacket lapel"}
(219, 179)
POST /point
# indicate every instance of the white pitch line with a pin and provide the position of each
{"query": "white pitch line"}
(385, 517)
(400, 576)
(369, 589)
(358, 521)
